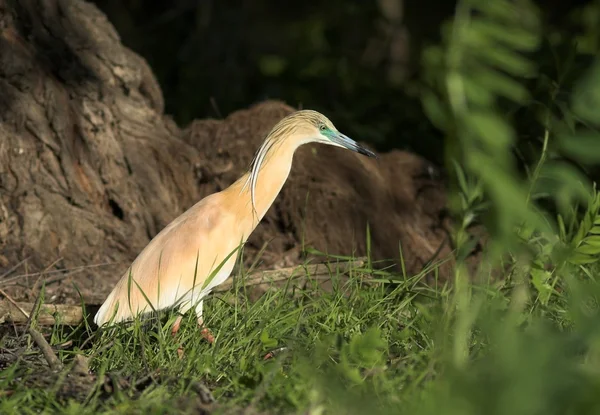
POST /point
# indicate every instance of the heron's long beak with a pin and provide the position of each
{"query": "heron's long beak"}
(346, 142)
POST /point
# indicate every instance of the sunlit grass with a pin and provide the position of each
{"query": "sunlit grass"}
(234, 368)
(361, 348)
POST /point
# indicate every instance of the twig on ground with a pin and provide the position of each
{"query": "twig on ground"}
(10, 271)
(13, 302)
(44, 271)
(35, 310)
(38, 338)
(15, 313)
(49, 355)
(57, 271)
(270, 276)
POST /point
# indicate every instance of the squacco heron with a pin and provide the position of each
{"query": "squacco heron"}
(192, 255)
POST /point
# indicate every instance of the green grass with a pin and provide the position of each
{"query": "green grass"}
(383, 348)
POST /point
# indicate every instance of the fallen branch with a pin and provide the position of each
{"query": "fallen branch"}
(284, 274)
(37, 337)
(11, 270)
(72, 315)
(69, 314)
(15, 304)
(63, 273)
(47, 351)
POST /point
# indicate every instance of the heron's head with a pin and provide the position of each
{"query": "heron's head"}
(312, 126)
(300, 127)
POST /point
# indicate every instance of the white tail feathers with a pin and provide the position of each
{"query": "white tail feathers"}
(115, 308)
(106, 311)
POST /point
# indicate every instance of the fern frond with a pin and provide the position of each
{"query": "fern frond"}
(585, 244)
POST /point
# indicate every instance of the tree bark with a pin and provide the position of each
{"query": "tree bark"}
(90, 168)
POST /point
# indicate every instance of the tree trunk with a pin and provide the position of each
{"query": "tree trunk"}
(90, 168)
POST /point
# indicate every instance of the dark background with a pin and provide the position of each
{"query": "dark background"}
(355, 60)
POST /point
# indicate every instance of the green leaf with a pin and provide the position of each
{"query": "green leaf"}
(460, 176)
(581, 259)
(491, 128)
(593, 241)
(272, 65)
(583, 146)
(561, 228)
(514, 37)
(565, 183)
(368, 348)
(502, 57)
(266, 340)
(539, 278)
(477, 92)
(586, 96)
(435, 110)
(432, 56)
(587, 249)
(499, 83)
(525, 14)
(567, 117)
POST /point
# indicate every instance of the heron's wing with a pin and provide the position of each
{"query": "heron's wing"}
(180, 257)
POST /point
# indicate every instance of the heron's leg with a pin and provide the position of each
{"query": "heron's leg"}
(204, 330)
(184, 308)
(176, 325)
(198, 312)
(181, 311)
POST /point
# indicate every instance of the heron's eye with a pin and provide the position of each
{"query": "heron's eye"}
(322, 127)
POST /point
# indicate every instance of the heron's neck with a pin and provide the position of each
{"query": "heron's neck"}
(271, 178)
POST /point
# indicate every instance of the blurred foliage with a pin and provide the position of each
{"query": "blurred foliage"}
(521, 143)
(356, 61)
(520, 133)
(533, 368)
(470, 76)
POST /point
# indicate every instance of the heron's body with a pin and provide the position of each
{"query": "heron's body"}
(172, 270)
